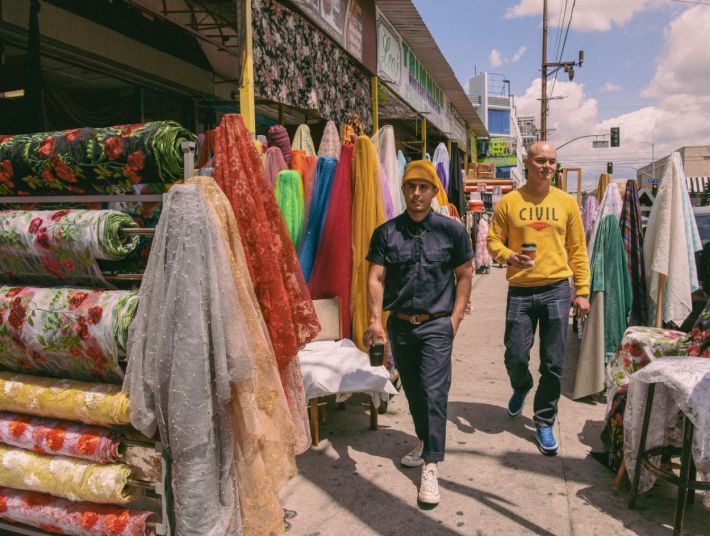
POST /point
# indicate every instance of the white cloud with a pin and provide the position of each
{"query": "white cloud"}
(518, 54)
(495, 58)
(610, 87)
(592, 15)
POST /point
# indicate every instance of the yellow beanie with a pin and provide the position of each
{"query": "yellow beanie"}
(421, 170)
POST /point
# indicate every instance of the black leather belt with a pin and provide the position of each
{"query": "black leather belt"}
(419, 319)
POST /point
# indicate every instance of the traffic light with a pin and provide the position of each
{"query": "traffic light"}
(610, 167)
(615, 137)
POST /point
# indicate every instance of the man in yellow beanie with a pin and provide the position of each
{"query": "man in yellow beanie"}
(421, 272)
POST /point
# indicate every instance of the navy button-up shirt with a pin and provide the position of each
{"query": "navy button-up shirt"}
(420, 258)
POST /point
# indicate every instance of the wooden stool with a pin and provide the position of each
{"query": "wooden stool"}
(686, 481)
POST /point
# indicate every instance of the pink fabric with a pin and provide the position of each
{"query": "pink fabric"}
(483, 258)
(48, 436)
(62, 516)
(274, 163)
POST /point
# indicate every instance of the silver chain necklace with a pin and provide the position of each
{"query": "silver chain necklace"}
(413, 235)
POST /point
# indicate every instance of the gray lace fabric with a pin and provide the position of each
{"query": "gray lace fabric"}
(186, 345)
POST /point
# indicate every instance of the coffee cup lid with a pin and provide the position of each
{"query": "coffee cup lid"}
(529, 245)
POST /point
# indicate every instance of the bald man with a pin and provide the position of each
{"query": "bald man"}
(537, 231)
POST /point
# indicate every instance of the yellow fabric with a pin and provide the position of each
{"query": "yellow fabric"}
(90, 403)
(70, 478)
(604, 181)
(263, 429)
(367, 214)
(553, 222)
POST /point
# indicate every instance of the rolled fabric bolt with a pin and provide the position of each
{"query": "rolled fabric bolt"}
(529, 249)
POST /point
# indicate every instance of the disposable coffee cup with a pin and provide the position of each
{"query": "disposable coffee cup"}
(529, 249)
(377, 355)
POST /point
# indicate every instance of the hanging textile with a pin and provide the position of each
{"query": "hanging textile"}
(330, 277)
(48, 247)
(306, 166)
(330, 142)
(604, 181)
(205, 149)
(610, 281)
(483, 257)
(387, 156)
(303, 141)
(289, 196)
(263, 430)
(59, 438)
(441, 156)
(632, 232)
(273, 265)
(61, 516)
(92, 160)
(90, 403)
(66, 333)
(441, 173)
(457, 193)
(401, 163)
(441, 198)
(669, 244)
(386, 195)
(319, 208)
(69, 478)
(187, 343)
(278, 137)
(589, 215)
(274, 164)
(611, 205)
(367, 213)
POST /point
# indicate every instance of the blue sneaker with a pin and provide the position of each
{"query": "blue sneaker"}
(515, 404)
(546, 441)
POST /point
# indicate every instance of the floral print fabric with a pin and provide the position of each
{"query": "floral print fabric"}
(70, 478)
(47, 436)
(61, 516)
(298, 65)
(64, 332)
(48, 247)
(91, 403)
(91, 160)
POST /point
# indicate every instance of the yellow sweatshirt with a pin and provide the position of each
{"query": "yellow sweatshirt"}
(553, 222)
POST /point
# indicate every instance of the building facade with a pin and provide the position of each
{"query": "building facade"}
(696, 163)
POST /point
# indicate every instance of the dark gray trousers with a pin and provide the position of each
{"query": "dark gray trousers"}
(422, 355)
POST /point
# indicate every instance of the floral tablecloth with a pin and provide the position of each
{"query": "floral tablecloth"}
(65, 332)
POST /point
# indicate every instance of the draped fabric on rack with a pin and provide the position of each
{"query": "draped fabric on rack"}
(604, 181)
(69, 478)
(386, 196)
(611, 205)
(333, 264)
(319, 209)
(441, 198)
(90, 403)
(401, 163)
(91, 160)
(263, 430)
(441, 173)
(669, 244)
(330, 142)
(632, 232)
(278, 137)
(273, 265)
(589, 215)
(387, 155)
(441, 156)
(187, 344)
(274, 164)
(303, 141)
(205, 150)
(67, 333)
(483, 257)
(306, 166)
(53, 514)
(289, 196)
(367, 214)
(61, 246)
(59, 438)
(457, 194)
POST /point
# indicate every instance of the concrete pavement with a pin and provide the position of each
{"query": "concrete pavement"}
(494, 480)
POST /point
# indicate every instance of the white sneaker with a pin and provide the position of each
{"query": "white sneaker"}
(429, 487)
(414, 458)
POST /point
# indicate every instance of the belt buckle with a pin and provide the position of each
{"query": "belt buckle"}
(414, 320)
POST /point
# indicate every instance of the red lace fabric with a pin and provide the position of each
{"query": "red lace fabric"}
(273, 266)
(333, 265)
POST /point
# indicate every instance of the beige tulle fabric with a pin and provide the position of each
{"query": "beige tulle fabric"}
(263, 429)
(70, 478)
(302, 140)
(90, 403)
(330, 142)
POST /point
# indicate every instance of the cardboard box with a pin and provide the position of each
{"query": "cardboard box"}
(486, 167)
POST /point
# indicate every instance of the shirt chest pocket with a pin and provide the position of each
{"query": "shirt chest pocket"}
(438, 258)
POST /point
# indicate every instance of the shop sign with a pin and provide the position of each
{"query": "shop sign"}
(389, 53)
(502, 151)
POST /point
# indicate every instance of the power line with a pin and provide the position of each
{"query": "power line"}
(692, 2)
(564, 43)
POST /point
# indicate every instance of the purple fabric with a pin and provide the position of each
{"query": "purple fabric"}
(278, 137)
(386, 195)
(441, 172)
(589, 214)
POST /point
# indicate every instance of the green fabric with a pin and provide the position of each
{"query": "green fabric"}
(112, 243)
(291, 201)
(610, 276)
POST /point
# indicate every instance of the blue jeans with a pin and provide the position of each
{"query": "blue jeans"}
(527, 306)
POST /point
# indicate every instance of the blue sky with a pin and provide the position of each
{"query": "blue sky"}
(653, 55)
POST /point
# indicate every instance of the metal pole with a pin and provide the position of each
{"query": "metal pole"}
(375, 105)
(543, 85)
(424, 138)
(653, 160)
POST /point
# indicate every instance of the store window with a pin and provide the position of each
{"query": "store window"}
(499, 121)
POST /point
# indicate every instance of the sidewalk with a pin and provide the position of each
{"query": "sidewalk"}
(494, 480)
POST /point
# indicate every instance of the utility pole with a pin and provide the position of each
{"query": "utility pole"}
(543, 88)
